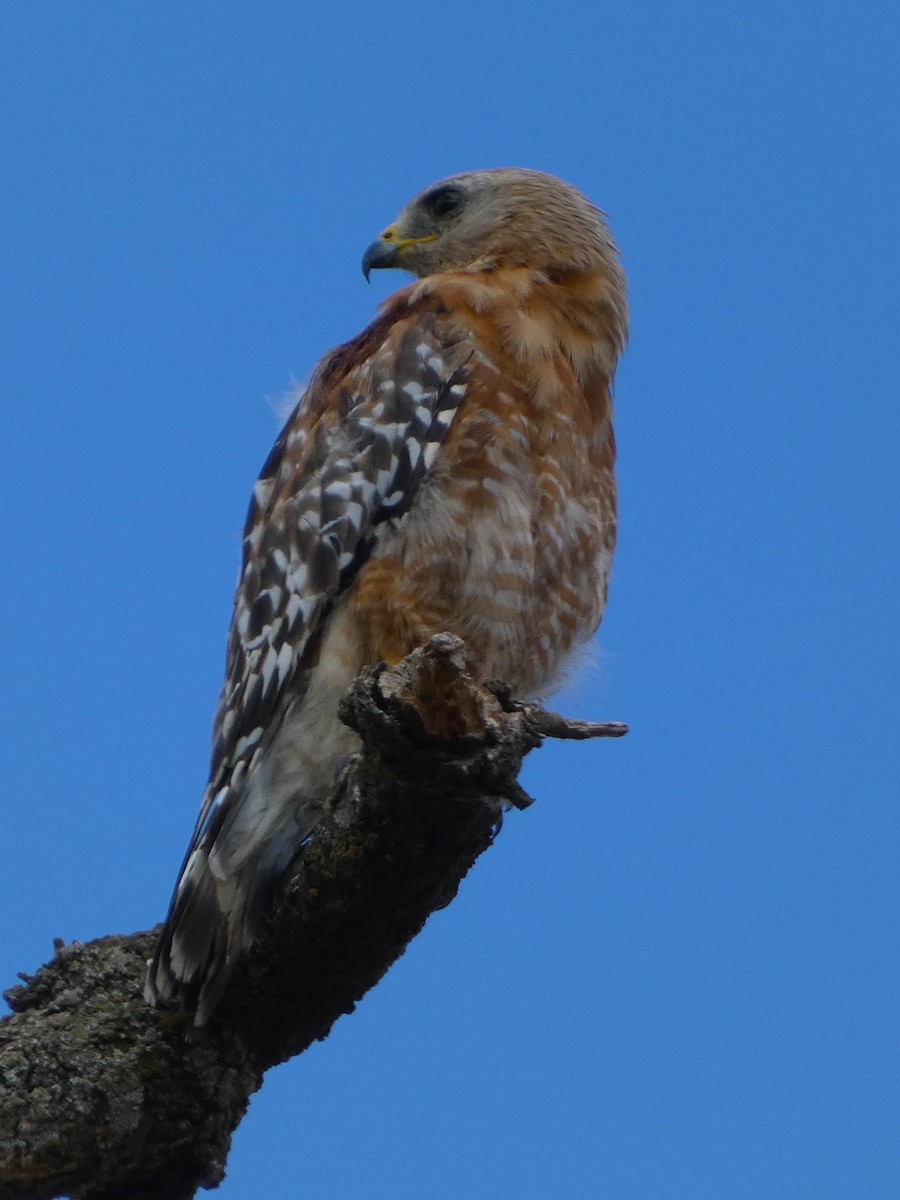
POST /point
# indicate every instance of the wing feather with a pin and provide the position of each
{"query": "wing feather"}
(304, 546)
(351, 456)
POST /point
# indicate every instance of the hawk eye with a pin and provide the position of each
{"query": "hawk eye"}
(442, 201)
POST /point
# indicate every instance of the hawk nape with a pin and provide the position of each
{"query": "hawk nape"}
(448, 470)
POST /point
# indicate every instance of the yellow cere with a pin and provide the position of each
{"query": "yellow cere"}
(390, 235)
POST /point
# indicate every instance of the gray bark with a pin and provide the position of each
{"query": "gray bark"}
(103, 1098)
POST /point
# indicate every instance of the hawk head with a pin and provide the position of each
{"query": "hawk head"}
(483, 220)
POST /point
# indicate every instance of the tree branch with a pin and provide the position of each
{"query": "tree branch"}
(103, 1098)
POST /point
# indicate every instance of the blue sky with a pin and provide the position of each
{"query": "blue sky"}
(676, 976)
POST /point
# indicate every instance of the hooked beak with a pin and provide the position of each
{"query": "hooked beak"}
(379, 255)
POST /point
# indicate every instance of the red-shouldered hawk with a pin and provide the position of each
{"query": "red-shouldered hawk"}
(449, 470)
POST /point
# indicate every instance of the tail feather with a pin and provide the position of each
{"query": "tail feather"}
(213, 920)
(192, 955)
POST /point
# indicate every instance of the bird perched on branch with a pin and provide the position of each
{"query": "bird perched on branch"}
(449, 469)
